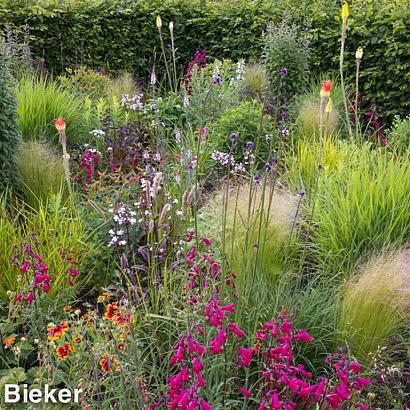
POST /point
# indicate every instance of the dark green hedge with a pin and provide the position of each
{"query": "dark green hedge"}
(122, 35)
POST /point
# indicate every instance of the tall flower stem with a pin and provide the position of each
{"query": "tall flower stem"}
(345, 13)
(159, 25)
(359, 55)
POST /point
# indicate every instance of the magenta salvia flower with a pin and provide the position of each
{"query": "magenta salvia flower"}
(246, 357)
(303, 336)
(247, 393)
(233, 327)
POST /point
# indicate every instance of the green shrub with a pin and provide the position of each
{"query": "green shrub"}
(244, 120)
(9, 136)
(285, 47)
(40, 102)
(41, 172)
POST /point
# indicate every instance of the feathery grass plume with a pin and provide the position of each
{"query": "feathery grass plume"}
(375, 302)
(41, 172)
(273, 233)
(255, 78)
(119, 86)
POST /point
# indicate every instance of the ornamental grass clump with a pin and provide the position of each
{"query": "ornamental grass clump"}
(374, 302)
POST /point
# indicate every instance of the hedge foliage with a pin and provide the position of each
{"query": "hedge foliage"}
(122, 35)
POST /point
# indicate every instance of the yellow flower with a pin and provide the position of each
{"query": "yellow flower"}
(345, 12)
(159, 22)
(359, 53)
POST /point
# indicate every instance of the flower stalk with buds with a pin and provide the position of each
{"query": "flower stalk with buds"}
(159, 27)
(60, 126)
(359, 56)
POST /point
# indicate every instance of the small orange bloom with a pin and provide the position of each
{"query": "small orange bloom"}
(68, 308)
(9, 341)
(104, 296)
(57, 332)
(112, 309)
(64, 351)
(77, 339)
(60, 124)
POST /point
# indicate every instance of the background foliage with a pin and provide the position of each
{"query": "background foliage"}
(121, 35)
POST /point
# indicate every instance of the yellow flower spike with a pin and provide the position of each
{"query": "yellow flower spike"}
(159, 22)
(329, 106)
(359, 53)
(345, 12)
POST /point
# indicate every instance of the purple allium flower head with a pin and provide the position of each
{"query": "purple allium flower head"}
(233, 136)
(302, 193)
(216, 79)
(284, 115)
(249, 145)
(283, 72)
(257, 179)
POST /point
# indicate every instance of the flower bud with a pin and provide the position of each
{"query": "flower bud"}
(329, 106)
(171, 26)
(359, 53)
(159, 22)
(345, 12)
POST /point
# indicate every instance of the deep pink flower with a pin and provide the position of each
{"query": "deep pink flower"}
(247, 393)
(246, 357)
(19, 297)
(197, 365)
(233, 327)
(30, 298)
(24, 267)
(229, 308)
(191, 255)
(262, 405)
(303, 336)
(355, 367)
(361, 406)
(205, 241)
(73, 272)
(275, 402)
(361, 382)
(205, 406)
(216, 344)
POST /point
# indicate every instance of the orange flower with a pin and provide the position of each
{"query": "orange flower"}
(9, 341)
(109, 364)
(326, 88)
(57, 332)
(64, 351)
(104, 296)
(112, 309)
(60, 124)
(77, 339)
(68, 308)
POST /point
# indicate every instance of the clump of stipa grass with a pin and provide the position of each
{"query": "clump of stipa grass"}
(41, 172)
(124, 84)
(257, 228)
(374, 302)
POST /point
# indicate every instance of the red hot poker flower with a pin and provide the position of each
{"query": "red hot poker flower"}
(60, 124)
(326, 88)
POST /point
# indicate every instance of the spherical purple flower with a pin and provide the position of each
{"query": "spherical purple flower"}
(216, 79)
(249, 145)
(257, 179)
(233, 136)
(283, 72)
(302, 193)
(284, 115)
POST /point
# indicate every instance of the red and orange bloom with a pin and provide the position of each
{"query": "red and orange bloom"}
(57, 332)
(122, 318)
(60, 124)
(78, 339)
(9, 341)
(326, 88)
(109, 364)
(68, 308)
(121, 346)
(64, 351)
(111, 311)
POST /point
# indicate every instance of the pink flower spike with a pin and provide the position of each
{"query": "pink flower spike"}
(361, 382)
(229, 308)
(247, 393)
(197, 365)
(30, 298)
(246, 357)
(275, 402)
(355, 367)
(24, 267)
(262, 405)
(304, 336)
(204, 405)
(191, 255)
(19, 297)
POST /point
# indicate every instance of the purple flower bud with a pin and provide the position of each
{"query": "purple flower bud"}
(233, 136)
(257, 179)
(302, 193)
(249, 145)
(283, 72)
(216, 79)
